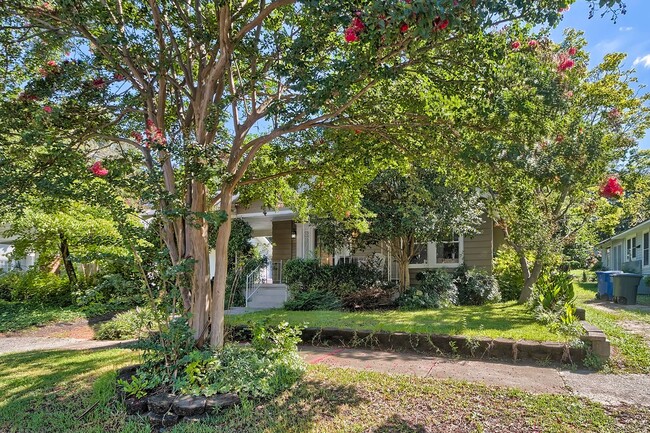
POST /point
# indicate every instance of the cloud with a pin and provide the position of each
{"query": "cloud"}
(645, 60)
(625, 29)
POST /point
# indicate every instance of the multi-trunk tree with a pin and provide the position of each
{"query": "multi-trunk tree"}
(201, 89)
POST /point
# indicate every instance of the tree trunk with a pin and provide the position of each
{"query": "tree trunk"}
(197, 249)
(405, 275)
(530, 277)
(217, 306)
(65, 257)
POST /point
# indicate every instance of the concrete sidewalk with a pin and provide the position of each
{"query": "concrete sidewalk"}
(28, 344)
(607, 389)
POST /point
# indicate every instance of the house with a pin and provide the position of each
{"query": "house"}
(7, 263)
(628, 251)
(285, 238)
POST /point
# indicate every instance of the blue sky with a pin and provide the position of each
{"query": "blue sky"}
(630, 34)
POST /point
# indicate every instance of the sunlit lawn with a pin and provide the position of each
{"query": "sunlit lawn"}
(501, 320)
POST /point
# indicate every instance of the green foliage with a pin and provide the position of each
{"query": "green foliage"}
(553, 303)
(302, 271)
(436, 289)
(305, 300)
(136, 323)
(37, 287)
(269, 365)
(476, 287)
(507, 271)
(137, 387)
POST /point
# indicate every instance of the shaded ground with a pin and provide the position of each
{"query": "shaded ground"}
(80, 328)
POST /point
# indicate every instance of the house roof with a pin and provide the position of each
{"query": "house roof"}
(622, 234)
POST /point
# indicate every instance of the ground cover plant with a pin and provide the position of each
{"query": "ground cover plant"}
(15, 316)
(47, 392)
(498, 320)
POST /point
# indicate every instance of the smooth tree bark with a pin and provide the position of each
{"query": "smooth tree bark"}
(64, 249)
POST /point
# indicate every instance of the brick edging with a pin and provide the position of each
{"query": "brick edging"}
(475, 347)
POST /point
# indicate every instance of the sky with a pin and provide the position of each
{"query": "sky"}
(630, 34)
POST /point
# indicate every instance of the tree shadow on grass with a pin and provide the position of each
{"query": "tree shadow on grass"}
(48, 391)
(396, 424)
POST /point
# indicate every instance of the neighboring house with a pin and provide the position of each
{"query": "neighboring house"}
(290, 239)
(8, 263)
(628, 251)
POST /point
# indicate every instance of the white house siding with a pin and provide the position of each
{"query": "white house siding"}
(629, 251)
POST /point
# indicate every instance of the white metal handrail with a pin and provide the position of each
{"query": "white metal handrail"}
(253, 283)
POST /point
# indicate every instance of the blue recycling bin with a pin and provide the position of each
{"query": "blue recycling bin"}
(606, 284)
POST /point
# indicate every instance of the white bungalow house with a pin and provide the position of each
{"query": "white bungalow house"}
(628, 251)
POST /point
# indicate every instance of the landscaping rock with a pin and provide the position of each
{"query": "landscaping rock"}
(195, 418)
(221, 401)
(189, 405)
(126, 373)
(160, 403)
(135, 405)
(162, 420)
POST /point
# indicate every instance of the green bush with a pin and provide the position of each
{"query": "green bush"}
(436, 289)
(553, 303)
(135, 323)
(476, 287)
(380, 294)
(307, 300)
(266, 367)
(105, 293)
(37, 287)
(507, 271)
(301, 271)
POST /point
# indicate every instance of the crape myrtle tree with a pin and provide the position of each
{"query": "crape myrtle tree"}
(548, 172)
(200, 88)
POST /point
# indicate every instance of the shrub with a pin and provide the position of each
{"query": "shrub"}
(306, 300)
(552, 303)
(301, 271)
(135, 323)
(266, 367)
(436, 289)
(476, 287)
(507, 271)
(106, 293)
(39, 287)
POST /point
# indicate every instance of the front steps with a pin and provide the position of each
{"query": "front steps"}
(266, 297)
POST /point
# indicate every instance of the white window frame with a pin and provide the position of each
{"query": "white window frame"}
(628, 250)
(432, 253)
(645, 242)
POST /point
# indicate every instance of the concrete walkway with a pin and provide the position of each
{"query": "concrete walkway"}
(608, 389)
(28, 344)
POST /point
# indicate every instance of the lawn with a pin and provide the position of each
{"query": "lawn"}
(631, 352)
(501, 320)
(49, 391)
(15, 316)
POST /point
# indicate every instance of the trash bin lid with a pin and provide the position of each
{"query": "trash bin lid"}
(626, 274)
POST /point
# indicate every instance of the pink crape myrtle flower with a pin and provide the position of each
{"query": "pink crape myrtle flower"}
(515, 45)
(611, 188)
(98, 170)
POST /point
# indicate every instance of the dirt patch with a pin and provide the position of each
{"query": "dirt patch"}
(635, 327)
(80, 329)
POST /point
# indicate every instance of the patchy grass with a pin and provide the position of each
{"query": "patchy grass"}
(15, 316)
(48, 391)
(501, 320)
(631, 353)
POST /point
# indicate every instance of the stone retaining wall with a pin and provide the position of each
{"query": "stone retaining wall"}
(475, 347)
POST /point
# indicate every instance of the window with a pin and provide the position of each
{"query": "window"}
(628, 250)
(607, 259)
(634, 248)
(646, 249)
(448, 251)
(422, 256)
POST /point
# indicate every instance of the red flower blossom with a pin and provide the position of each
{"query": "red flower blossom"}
(51, 63)
(352, 33)
(404, 28)
(572, 51)
(118, 77)
(98, 170)
(564, 9)
(569, 94)
(533, 43)
(611, 188)
(98, 83)
(154, 134)
(47, 109)
(565, 63)
(136, 136)
(440, 24)
(357, 24)
(27, 97)
(43, 72)
(515, 45)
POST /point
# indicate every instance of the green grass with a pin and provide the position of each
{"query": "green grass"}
(631, 352)
(15, 316)
(48, 391)
(501, 320)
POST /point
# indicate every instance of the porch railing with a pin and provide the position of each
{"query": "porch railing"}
(253, 283)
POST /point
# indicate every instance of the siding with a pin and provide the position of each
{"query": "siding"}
(478, 250)
(284, 248)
